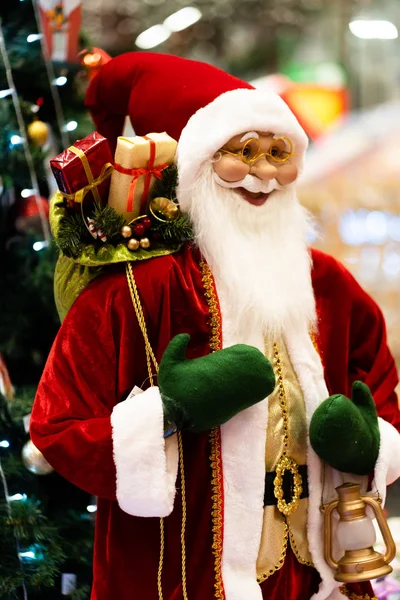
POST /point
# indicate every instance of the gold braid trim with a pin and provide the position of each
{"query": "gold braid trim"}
(216, 513)
(281, 560)
(352, 596)
(296, 551)
(210, 294)
(215, 436)
(150, 358)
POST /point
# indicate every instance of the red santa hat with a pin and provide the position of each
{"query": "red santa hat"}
(195, 103)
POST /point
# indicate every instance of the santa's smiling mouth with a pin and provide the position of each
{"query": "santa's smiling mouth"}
(254, 198)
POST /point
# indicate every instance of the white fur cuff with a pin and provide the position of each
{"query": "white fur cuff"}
(387, 468)
(146, 463)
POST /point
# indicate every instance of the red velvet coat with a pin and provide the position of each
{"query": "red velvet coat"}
(98, 357)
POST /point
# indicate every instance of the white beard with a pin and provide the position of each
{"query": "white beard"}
(257, 254)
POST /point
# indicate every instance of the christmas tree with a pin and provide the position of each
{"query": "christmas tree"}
(45, 523)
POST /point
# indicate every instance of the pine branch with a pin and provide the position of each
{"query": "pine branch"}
(13, 467)
(72, 235)
(173, 232)
(165, 187)
(22, 403)
(81, 593)
(109, 222)
(29, 524)
(34, 533)
(5, 415)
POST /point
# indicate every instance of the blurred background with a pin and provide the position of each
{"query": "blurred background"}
(337, 65)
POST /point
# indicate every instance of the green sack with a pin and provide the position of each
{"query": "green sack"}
(72, 275)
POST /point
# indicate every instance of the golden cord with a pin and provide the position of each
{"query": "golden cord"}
(184, 516)
(150, 358)
(161, 560)
(141, 320)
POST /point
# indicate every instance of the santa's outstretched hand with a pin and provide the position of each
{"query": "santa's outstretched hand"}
(205, 392)
(345, 433)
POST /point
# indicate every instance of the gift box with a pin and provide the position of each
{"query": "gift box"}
(83, 170)
(138, 162)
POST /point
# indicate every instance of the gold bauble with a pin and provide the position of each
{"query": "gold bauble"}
(133, 244)
(126, 231)
(38, 132)
(91, 60)
(164, 208)
(34, 460)
(172, 212)
(145, 243)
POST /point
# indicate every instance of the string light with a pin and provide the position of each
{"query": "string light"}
(71, 126)
(28, 555)
(5, 93)
(152, 37)
(17, 497)
(4, 444)
(27, 192)
(62, 80)
(183, 18)
(15, 140)
(40, 245)
(374, 30)
(33, 37)
(91, 508)
(156, 35)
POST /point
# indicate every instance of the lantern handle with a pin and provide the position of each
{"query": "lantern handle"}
(327, 509)
(384, 527)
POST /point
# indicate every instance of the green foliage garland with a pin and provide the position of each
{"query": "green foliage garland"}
(171, 232)
(73, 235)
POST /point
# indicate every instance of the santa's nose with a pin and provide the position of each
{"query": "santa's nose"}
(264, 170)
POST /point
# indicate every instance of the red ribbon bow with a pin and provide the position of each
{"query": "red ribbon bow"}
(138, 172)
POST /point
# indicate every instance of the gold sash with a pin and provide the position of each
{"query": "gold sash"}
(278, 529)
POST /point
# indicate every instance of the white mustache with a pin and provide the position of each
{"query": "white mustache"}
(251, 183)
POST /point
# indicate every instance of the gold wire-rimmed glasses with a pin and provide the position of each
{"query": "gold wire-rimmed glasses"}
(280, 150)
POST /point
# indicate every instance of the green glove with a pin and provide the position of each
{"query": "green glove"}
(345, 433)
(201, 393)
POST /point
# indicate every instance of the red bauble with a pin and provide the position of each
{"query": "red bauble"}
(147, 222)
(28, 216)
(139, 229)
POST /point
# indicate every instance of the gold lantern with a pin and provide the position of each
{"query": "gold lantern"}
(356, 535)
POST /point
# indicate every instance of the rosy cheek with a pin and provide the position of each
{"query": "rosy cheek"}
(287, 174)
(230, 169)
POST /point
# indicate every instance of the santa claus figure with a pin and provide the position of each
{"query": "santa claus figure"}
(214, 398)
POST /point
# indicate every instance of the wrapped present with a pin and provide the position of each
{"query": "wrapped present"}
(83, 170)
(139, 161)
